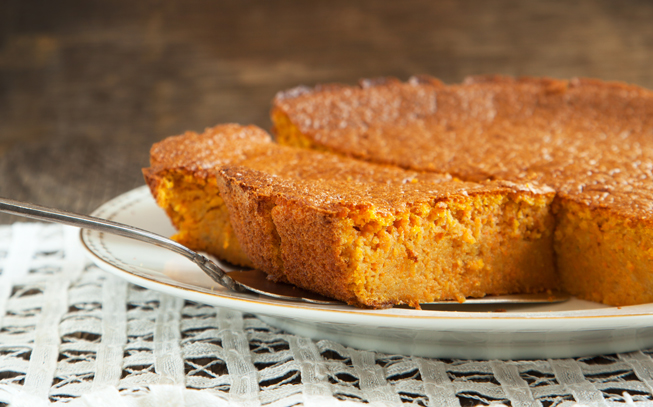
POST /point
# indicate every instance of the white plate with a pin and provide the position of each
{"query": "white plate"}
(573, 328)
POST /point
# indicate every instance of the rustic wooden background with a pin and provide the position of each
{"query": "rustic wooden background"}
(87, 86)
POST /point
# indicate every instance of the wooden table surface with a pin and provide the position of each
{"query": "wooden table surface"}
(87, 87)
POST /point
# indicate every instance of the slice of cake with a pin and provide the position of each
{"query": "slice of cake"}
(370, 235)
(591, 141)
(182, 180)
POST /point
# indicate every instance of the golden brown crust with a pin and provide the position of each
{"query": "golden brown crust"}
(250, 217)
(265, 222)
(201, 152)
(576, 135)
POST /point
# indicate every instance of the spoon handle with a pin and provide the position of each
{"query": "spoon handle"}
(102, 225)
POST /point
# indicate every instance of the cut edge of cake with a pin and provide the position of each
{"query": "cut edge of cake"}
(496, 241)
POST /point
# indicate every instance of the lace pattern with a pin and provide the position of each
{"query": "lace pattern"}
(71, 334)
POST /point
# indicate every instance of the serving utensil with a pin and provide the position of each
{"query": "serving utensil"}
(234, 279)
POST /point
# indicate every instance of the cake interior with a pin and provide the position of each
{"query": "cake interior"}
(199, 214)
(484, 244)
(601, 256)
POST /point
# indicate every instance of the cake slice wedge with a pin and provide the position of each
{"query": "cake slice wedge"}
(181, 177)
(367, 234)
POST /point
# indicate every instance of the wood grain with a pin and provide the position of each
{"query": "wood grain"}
(87, 87)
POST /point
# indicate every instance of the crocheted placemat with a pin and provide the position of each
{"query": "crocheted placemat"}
(72, 334)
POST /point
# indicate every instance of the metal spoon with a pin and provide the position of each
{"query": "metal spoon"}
(239, 280)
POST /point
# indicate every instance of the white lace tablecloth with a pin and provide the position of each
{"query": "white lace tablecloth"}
(72, 334)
